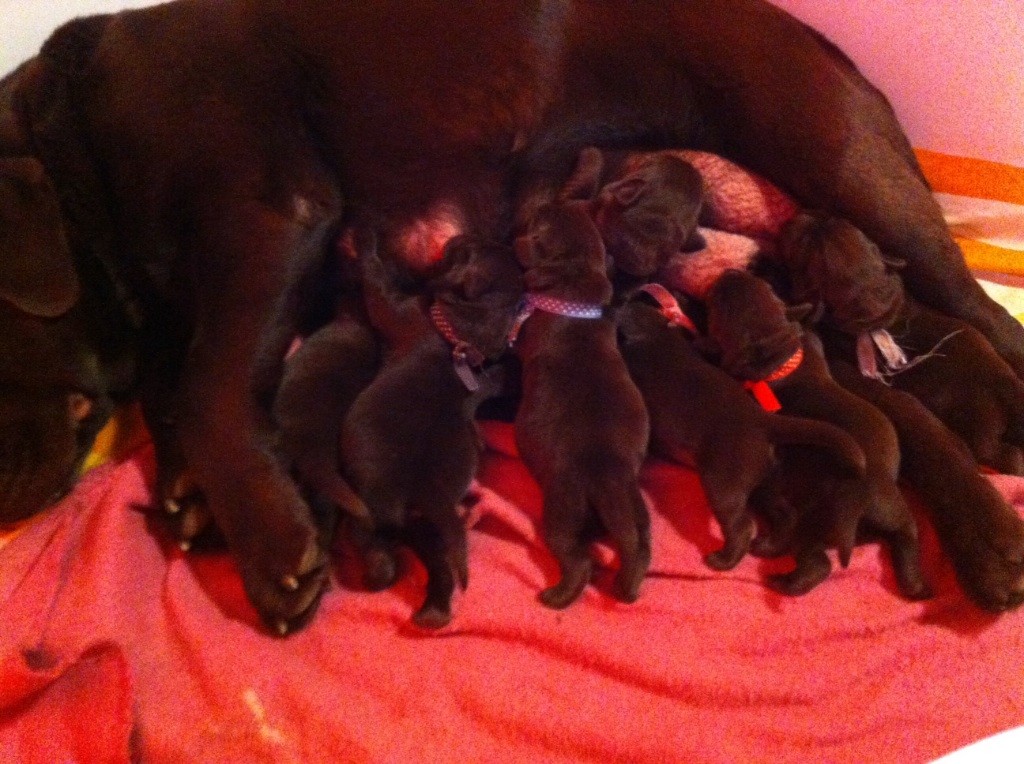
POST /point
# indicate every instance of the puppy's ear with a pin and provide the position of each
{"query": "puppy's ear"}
(805, 313)
(893, 263)
(626, 191)
(585, 181)
(37, 271)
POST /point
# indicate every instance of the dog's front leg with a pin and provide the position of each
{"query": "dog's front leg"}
(247, 266)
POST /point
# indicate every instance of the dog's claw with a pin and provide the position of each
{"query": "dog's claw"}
(185, 545)
(281, 627)
(290, 583)
(171, 507)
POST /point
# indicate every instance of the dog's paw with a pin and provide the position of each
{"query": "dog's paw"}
(183, 511)
(989, 560)
(284, 575)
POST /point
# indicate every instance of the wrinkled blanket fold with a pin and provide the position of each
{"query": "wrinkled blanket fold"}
(112, 639)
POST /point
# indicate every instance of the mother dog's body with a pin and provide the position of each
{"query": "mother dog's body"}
(201, 150)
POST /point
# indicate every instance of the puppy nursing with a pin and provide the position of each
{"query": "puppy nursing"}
(582, 427)
(945, 363)
(701, 416)
(758, 342)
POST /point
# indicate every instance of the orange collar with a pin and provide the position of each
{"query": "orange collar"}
(762, 391)
(788, 367)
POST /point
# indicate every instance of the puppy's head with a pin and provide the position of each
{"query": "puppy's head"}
(649, 215)
(833, 265)
(50, 399)
(480, 285)
(563, 254)
(751, 328)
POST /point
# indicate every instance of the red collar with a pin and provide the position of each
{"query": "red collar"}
(669, 306)
(464, 356)
(762, 391)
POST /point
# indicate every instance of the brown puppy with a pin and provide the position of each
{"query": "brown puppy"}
(204, 214)
(645, 204)
(321, 380)
(701, 416)
(408, 444)
(952, 368)
(581, 428)
(759, 343)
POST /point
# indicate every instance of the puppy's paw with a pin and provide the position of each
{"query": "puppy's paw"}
(432, 616)
(381, 569)
(811, 569)
(574, 580)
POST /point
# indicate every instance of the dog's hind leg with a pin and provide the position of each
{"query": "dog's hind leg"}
(564, 524)
(728, 492)
(621, 509)
(429, 545)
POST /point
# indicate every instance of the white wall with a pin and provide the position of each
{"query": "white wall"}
(954, 69)
(25, 24)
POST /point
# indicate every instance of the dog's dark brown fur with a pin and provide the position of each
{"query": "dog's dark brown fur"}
(408, 444)
(199, 151)
(749, 324)
(702, 416)
(944, 473)
(954, 370)
(581, 428)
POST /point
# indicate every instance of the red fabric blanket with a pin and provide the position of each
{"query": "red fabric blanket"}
(116, 646)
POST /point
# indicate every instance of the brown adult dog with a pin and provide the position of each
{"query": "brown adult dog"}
(409, 446)
(952, 368)
(195, 154)
(581, 428)
(755, 337)
(703, 417)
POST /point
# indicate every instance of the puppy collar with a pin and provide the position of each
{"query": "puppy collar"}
(533, 301)
(669, 306)
(465, 357)
(761, 389)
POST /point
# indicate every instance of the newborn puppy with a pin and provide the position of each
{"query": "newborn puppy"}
(701, 416)
(321, 380)
(645, 204)
(409, 445)
(582, 427)
(952, 369)
(760, 344)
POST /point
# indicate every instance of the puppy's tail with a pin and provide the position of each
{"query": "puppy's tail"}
(799, 431)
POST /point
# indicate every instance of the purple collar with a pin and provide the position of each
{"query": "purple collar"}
(543, 302)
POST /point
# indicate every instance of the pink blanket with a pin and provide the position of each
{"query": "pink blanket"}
(116, 646)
